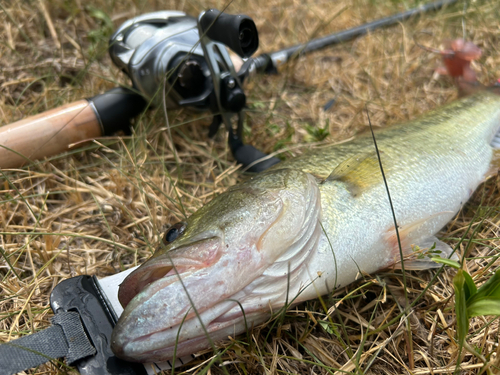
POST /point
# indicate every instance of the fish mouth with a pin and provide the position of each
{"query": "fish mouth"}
(157, 292)
(168, 265)
(139, 279)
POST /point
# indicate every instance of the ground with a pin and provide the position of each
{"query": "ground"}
(102, 208)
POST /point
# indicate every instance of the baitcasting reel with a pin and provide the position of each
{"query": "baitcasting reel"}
(173, 57)
(177, 61)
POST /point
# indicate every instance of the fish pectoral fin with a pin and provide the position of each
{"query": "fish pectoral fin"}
(359, 172)
(418, 256)
(417, 246)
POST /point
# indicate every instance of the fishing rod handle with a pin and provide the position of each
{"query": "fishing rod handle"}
(47, 134)
(54, 131)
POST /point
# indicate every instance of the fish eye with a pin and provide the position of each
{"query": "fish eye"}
(173, 232)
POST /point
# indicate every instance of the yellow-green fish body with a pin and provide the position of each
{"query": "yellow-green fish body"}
(306, 226)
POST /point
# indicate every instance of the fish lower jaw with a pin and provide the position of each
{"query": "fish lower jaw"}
(140, 350)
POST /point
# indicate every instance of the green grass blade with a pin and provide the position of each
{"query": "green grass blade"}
(460, 311)
(490, 288)
(485, 306)
(469, 286)
(448, 262)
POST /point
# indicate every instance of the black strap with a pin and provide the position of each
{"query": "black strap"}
(65, 338)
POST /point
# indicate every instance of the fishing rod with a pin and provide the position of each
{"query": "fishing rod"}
(177, 61)
(269, 63)
(202, 77)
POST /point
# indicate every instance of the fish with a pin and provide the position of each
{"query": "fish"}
(307, 226)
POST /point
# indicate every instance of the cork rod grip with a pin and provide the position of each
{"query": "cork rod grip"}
(47, 134)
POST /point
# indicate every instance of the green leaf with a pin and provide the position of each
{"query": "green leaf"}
(448, 262)
(100, 15)
(484, 306)
(490, 288)
(105, 25)
(316, 133)
(470, 287)
(461, 307)
(326, 326)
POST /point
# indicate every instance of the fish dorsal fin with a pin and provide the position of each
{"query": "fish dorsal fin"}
(359, 172)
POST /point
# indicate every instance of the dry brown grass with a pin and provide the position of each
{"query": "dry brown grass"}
(101, 210)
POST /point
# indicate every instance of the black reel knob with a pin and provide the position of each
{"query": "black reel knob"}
(238, 32)
(233, 99)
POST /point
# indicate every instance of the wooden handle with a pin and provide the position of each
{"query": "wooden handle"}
(48, 133)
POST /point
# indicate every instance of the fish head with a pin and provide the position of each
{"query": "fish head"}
(179, 301)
